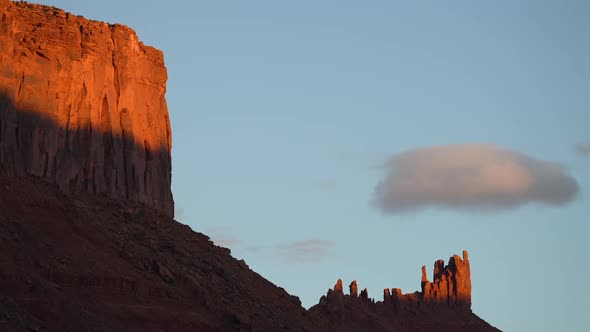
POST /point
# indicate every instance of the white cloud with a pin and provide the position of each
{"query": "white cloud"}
(471, 177)
(221, 236)
(313, 250)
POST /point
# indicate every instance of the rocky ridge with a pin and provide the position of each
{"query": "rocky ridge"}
(441, 305)
(451, 287)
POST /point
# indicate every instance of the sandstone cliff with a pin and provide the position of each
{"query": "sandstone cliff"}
(82, 105)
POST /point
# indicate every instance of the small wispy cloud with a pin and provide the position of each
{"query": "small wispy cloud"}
(480, 177)
(226, 241)
(306, 251)
(583, 149)
(221, 236)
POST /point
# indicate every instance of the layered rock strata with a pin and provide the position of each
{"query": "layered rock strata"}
(82, 105)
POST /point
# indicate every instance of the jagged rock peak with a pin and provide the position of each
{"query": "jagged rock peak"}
(338, 287)
(353, 289)
(82, 105)
(443, 304)
(386, 295)
(365, 295)
(451, 283)
(451, 286)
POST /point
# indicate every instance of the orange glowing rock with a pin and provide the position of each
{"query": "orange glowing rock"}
(82, 105)
(386, 295)
(451, 283)
(338, 287)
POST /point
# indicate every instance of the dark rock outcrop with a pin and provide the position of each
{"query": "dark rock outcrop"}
(82, 105)
(365, 295)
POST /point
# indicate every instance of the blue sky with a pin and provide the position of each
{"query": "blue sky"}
(284, 114)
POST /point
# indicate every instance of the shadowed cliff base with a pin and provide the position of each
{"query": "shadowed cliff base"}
(85, 263)
(88, 159)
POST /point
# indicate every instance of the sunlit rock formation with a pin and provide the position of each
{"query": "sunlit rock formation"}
(82, 105)
(452, 283)
(353, 289)
(443, 304)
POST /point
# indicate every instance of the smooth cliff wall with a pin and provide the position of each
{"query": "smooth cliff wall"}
(82, 105)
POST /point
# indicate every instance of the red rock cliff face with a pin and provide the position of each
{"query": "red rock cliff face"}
(82, 105)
